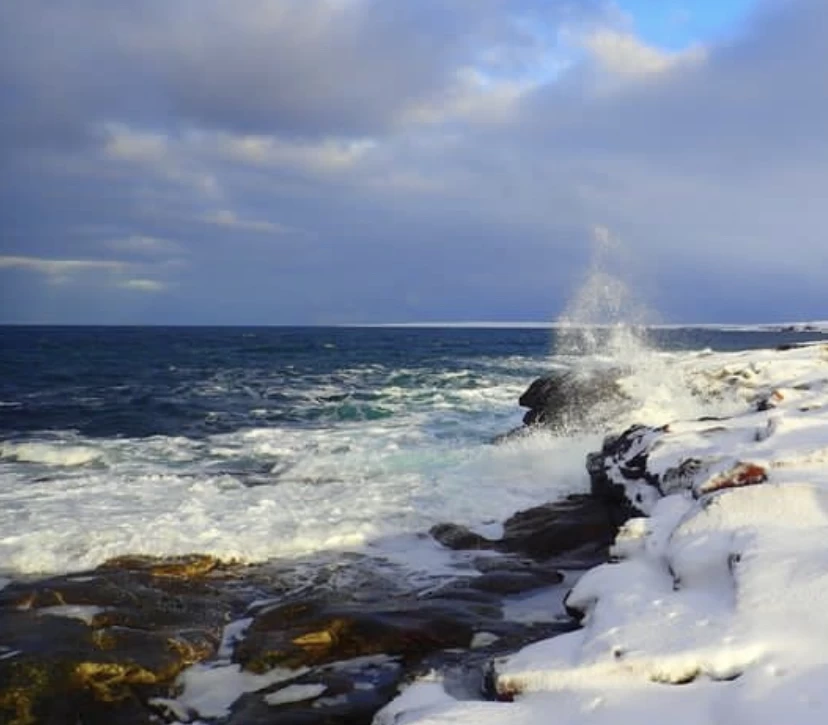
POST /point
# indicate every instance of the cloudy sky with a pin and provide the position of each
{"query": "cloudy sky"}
(361, 161)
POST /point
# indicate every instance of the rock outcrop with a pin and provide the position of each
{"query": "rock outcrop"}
(139, 640)
(568, 400)
(96, 647)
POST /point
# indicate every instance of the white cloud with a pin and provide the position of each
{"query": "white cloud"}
(227, 218)
(326, 156)
(622, 54)
(77, 271)
(142, 285)
(61, 267)
(473, 97)
(145, 245)
(126, 144)
(170, 157)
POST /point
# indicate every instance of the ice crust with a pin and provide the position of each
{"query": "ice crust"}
(715, 606)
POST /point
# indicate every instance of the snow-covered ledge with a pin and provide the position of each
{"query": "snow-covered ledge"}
(715, 606)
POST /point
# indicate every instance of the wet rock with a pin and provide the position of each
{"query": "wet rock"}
(350, 693)
(108, 645)
(578, 525)
(506, 582)
(454, 536)
(315, 633)
(546, 571)
(95, 647)
(527, 574)
(189, 567)
(575, 531)
(569, 400)
(485, 605)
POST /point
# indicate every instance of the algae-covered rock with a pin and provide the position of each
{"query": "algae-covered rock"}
(315, 633)
(95, 646)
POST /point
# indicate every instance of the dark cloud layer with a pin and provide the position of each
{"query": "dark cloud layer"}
(305, 161)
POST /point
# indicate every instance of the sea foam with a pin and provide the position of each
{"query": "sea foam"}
(51, 454)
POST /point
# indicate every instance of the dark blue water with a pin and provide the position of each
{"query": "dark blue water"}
(143, 381)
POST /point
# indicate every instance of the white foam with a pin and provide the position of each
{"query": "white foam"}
(51, 454)
(270, 492)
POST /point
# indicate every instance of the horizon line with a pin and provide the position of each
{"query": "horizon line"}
(821, 325)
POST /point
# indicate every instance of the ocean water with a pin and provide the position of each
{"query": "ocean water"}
(262, 443)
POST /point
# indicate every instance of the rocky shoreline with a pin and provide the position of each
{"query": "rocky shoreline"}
(144, 640)
(711, 606)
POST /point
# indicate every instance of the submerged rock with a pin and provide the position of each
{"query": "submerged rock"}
(455, 536)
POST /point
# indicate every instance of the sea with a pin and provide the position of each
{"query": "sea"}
(255, 444)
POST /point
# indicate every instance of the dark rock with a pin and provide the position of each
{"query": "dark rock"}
(142, 627)
(548, 572)
(623, 459)
(317, 633)
(484, 604)
(682, 476)
(558, 528)
(506, 582)
(575, 613)
(768, 401)
(454, 536)
(154, 617)
(354, 691)
(568, 400)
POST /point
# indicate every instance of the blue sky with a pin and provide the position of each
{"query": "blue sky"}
(676, 24)
(364, 161)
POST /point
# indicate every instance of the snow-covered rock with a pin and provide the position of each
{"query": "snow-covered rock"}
(714, 608)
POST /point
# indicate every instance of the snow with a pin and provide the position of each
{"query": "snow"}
(85, 613)
(483, 639)
(295, 693)
(210, 691)
(713, 609)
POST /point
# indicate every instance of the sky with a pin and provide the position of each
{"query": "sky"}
(270, 162)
